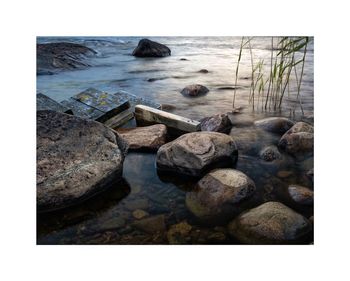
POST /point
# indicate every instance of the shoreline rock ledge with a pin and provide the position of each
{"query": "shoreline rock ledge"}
(76, 158)
(194, 153)
(148, 48)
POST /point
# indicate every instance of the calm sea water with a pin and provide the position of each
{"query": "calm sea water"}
(108, 218)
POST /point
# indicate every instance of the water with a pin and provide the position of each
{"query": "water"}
(109, 218)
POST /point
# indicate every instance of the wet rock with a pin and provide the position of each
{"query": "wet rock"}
(218, 194)
(301, 195)
(216, 237)
(284, 174)
(310, 174)
(179, 233)
(111, 223)
(195, 90)
(278, 125)
(137, 204)
(76, 158)
(311, 219)
(148, 138)
(184, 59)
(270, 223)
(151, 225)
(216, 123)
(194, 153)
(148, 48)
(168, 107)
(270, 153)
(203, 71)
(54, 57)
(139, 214)
(298, 139)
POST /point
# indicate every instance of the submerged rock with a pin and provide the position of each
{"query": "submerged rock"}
(53, 57)
(144, 138)
(139, 214)
(278, 125)
(179, 233)
(148, 48)
(203, 71)
(310, 174)
(218, 194)
(298, 139)
(194, 153)
(76, 158)
(270, 153)
(270, 223)
(195, 90)
(151, 225)
(216, 123)
(301, 195)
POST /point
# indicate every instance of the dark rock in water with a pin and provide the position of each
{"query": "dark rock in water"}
(195, 90)
(218, 194)
(278, 125)
(310, 174)
(111, 223)
(54, 57)
(179, 233)
(148, 138)
(270, 153)
(148, 48)
(156, 79)
(137, 204)
(270, 223)
(217, 123)
(184, 59)
(151, 225)
(168, 107)
(298, 139)
(301, 195)
(194, 153)
(76, 158)
(284, 174)
(203, 71)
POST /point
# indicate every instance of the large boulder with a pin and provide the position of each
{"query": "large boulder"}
(148, 48)
(217, 196)
(216, 123)
(54, 57)
(148, 138)
(76, 158)
(194, 153)
(298, 139)
(270, 223)
(278, 125)
(194, 90)
(301, 195)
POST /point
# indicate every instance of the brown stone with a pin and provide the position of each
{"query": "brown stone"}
(195, 90)
(301, 195)
(151, 225)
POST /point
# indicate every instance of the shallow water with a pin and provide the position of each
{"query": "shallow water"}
(109, 217)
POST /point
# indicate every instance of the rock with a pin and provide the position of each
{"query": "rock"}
(298, 139)
(284, 174)
(217, 123)
(151, 225)
(203, 71)
(168, 107)
(54, 57)
(195, 90)
(218, 194)
(310, 174)
(148, 138)
(137, 204)
(194, 153)
(184, 59)
(179, 233)
(139, 214)
(216, 237)
(111, 223)
(311, 219)
(278, 125)
(148, 48)
(76, 158)
(270, 223)
(301, 195)
(270, 153)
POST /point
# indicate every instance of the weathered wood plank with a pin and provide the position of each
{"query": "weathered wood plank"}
(135, 100)
(43, 102)
(146, 115)
(82, 110)
(119, 119)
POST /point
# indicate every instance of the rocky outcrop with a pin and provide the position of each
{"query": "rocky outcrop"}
(301, 195)
(194, 153)
(216, 123)
(148, 138)
(270, 153)
(55, 57)
(218, 194)
(195, 90)
(76, 158)
(270, 223)
(148, 48)
(278, 125)
(298, 139)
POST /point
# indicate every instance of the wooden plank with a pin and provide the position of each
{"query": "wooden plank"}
(120, 119)
(43, 102)
(146, 115)
(82, 110)
(135, 100)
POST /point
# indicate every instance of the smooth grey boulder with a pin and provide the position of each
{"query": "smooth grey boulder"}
(278, 125)
(218, 195)
(194, 153)
(298, 139)
(270, 223)
(76, 158)
(148, 48)
(216, 123)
